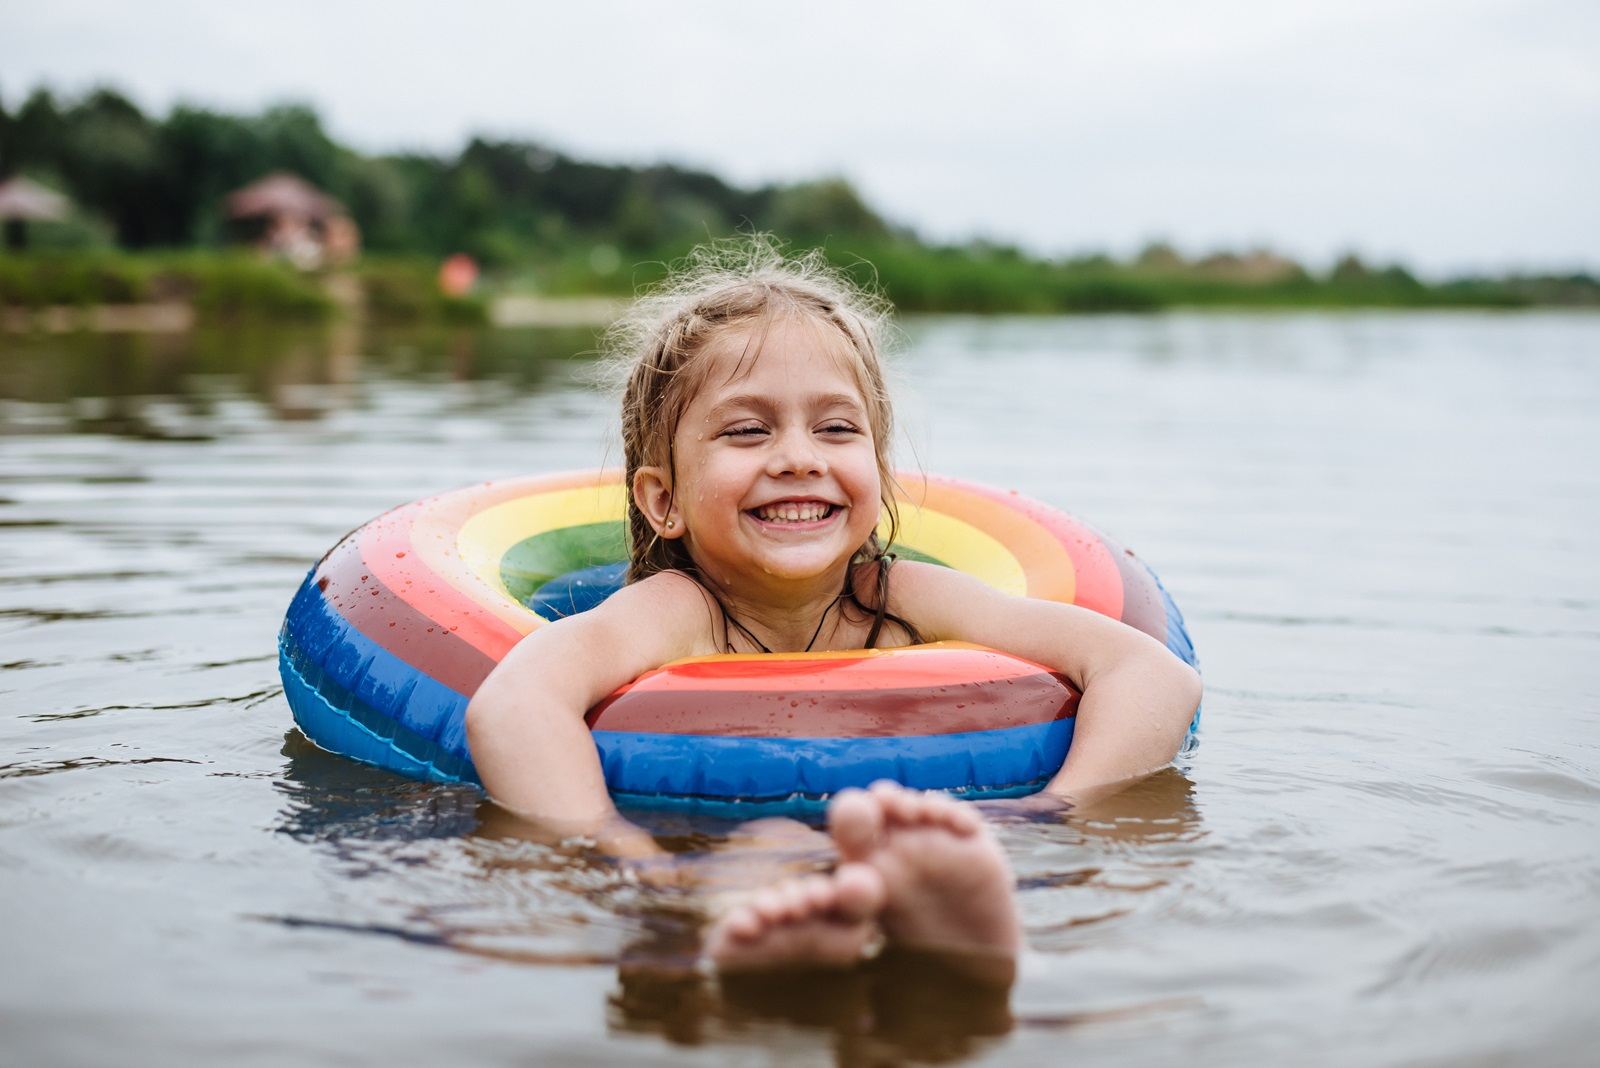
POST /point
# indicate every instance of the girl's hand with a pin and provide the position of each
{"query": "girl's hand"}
(525, 724)
(1041, 806)
(1138, 698)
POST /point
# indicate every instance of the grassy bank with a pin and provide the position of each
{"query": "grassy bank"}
(982, 279)
(231, 287)
(919, 278)
(218, 287)
(402, 290)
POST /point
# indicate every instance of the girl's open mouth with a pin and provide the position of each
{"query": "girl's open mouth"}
(794, 512)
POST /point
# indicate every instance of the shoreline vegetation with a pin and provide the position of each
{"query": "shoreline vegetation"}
(561, 241)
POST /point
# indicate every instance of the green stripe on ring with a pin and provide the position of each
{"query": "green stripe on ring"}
(534, 561)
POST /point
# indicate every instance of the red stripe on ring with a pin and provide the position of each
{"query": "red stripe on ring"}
(387, 548)
(354, 590)
(663, 704)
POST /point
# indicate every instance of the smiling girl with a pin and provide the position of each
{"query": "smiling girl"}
(756, 436)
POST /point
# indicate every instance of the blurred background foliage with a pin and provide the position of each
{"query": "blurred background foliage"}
(149, 224)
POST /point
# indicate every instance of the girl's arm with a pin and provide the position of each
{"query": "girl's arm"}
(525, 724)
(1138, 698)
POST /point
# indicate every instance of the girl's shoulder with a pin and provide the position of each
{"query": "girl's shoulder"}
(670, 605)
(934, 598)
(918, 578)
(669, 590)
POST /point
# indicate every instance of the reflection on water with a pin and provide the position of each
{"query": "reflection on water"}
(518, 900)
(189, 387)
(902, 1006)
(332, 800)
(1379, 527)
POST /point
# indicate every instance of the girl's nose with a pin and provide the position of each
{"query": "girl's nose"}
(796, 454)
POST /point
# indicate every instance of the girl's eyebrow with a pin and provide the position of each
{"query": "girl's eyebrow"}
(761, 402)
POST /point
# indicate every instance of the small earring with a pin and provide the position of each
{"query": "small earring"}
(671, 523)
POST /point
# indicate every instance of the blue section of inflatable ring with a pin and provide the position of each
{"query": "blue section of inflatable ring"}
(578, 591)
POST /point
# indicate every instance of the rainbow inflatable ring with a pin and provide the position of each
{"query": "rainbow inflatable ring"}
(393, 631)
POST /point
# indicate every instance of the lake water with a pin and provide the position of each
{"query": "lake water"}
(1386, 850)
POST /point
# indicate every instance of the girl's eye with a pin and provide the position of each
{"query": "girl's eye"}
(744, 431)
(839, 428)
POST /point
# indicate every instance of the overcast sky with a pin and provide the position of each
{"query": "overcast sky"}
(1451, 134)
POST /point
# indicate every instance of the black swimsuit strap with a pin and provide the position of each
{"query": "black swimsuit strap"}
(728, 622)
(884, 562)
(880, 615)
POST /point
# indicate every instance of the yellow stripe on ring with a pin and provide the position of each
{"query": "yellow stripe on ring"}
(487, 537)
(962, 546)
(488, 533)
(437, 528)
(1047, 566)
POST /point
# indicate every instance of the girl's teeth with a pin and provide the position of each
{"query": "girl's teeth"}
(792, 513)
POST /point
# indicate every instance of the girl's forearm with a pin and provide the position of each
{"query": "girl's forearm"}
(539, 766)
(537, 759)
(1131, 721)
(612, 837)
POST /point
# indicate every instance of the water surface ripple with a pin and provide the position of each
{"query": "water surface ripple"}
(1385, 851)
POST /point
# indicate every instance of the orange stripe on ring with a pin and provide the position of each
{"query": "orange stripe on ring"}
(1048, 566)
(1099, 580)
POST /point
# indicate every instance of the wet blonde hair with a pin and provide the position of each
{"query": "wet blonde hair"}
(745, 284)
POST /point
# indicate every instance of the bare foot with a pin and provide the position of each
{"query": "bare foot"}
(946, 881)
(815, 921)
(758, 854)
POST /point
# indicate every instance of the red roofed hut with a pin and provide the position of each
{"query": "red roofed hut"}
(292, 218)
(22, 201)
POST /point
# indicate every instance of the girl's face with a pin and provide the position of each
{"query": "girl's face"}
(777, 473)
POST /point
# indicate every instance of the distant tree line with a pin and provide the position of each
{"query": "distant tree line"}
(161, 183)
(145, 183)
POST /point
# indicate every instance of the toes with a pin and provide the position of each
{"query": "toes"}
(916, 808)
(797, 900)
(774, 906)
(791, 902)
(817, 919)
(817, 895)
(855, 820)
(859, 892)
(951, 814)
(741, 925)
(902, 807)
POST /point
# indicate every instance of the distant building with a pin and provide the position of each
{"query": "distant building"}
(23, 201)
(285, 215)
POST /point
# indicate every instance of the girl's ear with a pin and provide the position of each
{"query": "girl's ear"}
(652, 492)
